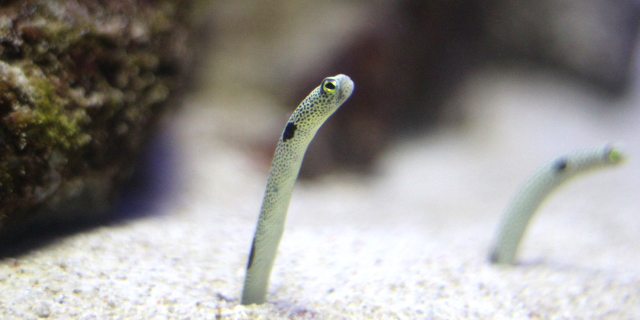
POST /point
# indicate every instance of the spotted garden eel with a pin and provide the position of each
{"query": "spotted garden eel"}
(302, 126)
(533, 192)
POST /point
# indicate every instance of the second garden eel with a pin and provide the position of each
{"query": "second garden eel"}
(302, 126)
(533, 192)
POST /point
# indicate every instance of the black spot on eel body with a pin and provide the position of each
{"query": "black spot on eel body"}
(561, 165)
(289, 131)
(251, 254)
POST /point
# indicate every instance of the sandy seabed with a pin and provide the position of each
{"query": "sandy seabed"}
(409, 242)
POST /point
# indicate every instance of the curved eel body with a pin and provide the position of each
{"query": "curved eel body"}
(533, 192)
(302, 126)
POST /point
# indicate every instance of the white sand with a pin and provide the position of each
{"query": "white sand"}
(408, 243)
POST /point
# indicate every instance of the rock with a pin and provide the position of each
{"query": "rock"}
(82, 86)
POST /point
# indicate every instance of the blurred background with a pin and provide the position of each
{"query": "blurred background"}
(418, 67)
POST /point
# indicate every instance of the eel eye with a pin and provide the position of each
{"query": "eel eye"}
(614, 155)
(329, 86)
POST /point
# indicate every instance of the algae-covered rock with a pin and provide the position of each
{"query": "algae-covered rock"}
(82, 84)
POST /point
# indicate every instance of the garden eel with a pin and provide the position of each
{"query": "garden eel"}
(535, 189)
(302, 126)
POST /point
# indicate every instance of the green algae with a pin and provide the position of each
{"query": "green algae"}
(47, 124)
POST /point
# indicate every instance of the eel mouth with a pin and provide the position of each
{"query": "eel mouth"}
(346, 87)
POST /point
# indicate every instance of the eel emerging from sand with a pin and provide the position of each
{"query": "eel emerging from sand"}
(533, 192)
(305, 121)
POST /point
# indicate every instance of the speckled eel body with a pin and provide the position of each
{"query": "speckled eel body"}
(533, 192)
(302, 126)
